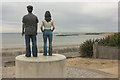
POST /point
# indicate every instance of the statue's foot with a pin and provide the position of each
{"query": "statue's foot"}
(27, 56)
(50, 55)
(44, 54)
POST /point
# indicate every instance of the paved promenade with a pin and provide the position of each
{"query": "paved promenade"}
(71, 72)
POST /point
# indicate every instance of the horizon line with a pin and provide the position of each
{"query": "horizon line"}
(67, 32)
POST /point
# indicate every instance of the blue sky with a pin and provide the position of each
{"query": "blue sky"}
(67, 16)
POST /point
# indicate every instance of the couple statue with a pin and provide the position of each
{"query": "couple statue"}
(29, 28)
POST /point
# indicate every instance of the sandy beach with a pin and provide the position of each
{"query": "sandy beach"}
(105, 65)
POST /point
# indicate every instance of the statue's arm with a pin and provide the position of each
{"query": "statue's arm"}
(41, 27)
(22, 29)
(53, 27)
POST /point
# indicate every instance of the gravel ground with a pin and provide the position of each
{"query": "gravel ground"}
(71, 72)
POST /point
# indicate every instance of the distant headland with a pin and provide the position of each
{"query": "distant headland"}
(77, 34)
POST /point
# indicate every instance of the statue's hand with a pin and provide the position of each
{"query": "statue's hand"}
(22, 33)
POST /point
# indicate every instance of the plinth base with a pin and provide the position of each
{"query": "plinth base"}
(40, 67)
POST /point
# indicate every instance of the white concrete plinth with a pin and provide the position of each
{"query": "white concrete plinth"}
(40, 67)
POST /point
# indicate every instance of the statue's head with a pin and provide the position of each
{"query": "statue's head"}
(30, 8)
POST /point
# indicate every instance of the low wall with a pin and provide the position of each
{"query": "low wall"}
(105, 52)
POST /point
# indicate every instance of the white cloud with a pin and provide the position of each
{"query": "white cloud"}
(100, 10)
(68, 17)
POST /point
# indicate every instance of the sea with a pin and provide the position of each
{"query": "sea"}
(16, 40)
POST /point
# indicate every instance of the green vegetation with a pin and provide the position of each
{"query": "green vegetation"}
(86, 48)
(112, 40)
